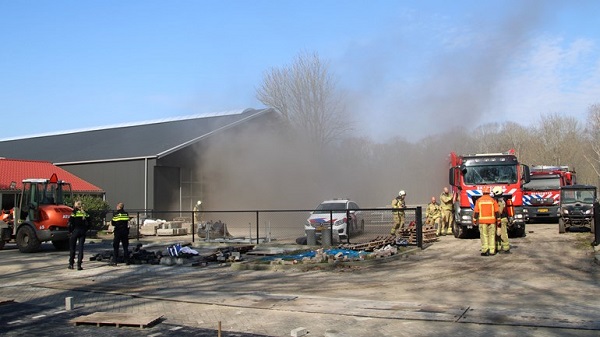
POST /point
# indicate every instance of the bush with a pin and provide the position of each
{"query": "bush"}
(96, 207)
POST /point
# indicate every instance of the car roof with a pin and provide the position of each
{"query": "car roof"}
(336, 201)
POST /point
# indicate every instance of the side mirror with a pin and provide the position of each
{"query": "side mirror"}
(526, 174)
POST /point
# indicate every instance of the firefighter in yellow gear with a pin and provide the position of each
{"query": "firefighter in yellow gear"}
(447, 206)
(198, 212)
(433, 213)
(502, 245)
(398, 204)
(486, 215)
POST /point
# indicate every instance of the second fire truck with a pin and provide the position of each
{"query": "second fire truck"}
(541, 195)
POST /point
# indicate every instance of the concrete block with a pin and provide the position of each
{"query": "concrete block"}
(299, 332)
(68, 303)
(180, 231)
(148, 230)
(165, 231)
(176, 224)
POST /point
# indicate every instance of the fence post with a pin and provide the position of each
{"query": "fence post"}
(348, 226)
(193, 226)
(138, 226)
(419, 219)
(257, 228)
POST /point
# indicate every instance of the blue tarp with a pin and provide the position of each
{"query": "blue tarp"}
(351, 254)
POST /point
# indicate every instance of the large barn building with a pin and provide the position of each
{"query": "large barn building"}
(152, 165)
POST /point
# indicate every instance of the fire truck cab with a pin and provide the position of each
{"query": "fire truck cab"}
(469, 173)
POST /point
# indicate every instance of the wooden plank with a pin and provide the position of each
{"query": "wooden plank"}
(116, 319)
(4, 300)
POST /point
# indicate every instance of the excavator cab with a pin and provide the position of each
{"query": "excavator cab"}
(42, 192)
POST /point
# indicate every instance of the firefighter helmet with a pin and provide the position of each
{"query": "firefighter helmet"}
(497, 191)
(402, 193)
(485, 190)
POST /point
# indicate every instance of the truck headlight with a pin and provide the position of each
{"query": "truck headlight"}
(466, 217)
(588, 212)
(519, 216)
(565, 211)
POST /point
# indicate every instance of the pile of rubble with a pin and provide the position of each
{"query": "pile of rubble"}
(177, 255)
(379, 248)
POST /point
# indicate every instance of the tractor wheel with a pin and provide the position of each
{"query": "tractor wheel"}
(561, 226)
(61, 244)
(2, 242)
(27, 241)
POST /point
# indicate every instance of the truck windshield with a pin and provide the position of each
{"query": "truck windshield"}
(491, 174)
(573, 196)
(543, 183)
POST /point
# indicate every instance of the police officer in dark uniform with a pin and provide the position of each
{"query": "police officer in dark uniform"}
(78, 226)
(120, 222)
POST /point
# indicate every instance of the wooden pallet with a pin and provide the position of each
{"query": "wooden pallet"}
(378, 242)
(116, 319)
(410, 235)
(4, 300)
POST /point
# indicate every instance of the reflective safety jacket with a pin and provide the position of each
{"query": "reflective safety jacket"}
(120, 219)
(486, 210)
(502, 209)
(399, 203)
(433, 211)
(446, 202)
(79, 220)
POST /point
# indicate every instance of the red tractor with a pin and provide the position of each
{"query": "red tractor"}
(39, 215)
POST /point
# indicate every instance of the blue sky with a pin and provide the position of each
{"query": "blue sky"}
(407, 68)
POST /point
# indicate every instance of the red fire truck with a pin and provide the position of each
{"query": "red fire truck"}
(469, 173)
(542, 194)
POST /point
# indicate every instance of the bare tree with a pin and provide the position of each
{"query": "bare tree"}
(592, 132)
(561, 140)
(306, 95)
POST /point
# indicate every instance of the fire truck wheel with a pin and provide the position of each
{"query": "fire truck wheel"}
(458, 231)
(61, 244)
(27, 241)
(561, 226)
(2, 242)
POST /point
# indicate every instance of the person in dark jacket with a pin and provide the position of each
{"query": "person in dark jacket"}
(79, 223)
(120, 222)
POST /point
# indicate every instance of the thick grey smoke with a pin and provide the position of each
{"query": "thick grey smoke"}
(449, 80)
(404, 131)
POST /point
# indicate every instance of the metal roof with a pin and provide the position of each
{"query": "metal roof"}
(151, 139)
(14, 171)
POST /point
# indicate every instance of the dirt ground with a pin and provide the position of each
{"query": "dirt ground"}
(546, 287)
